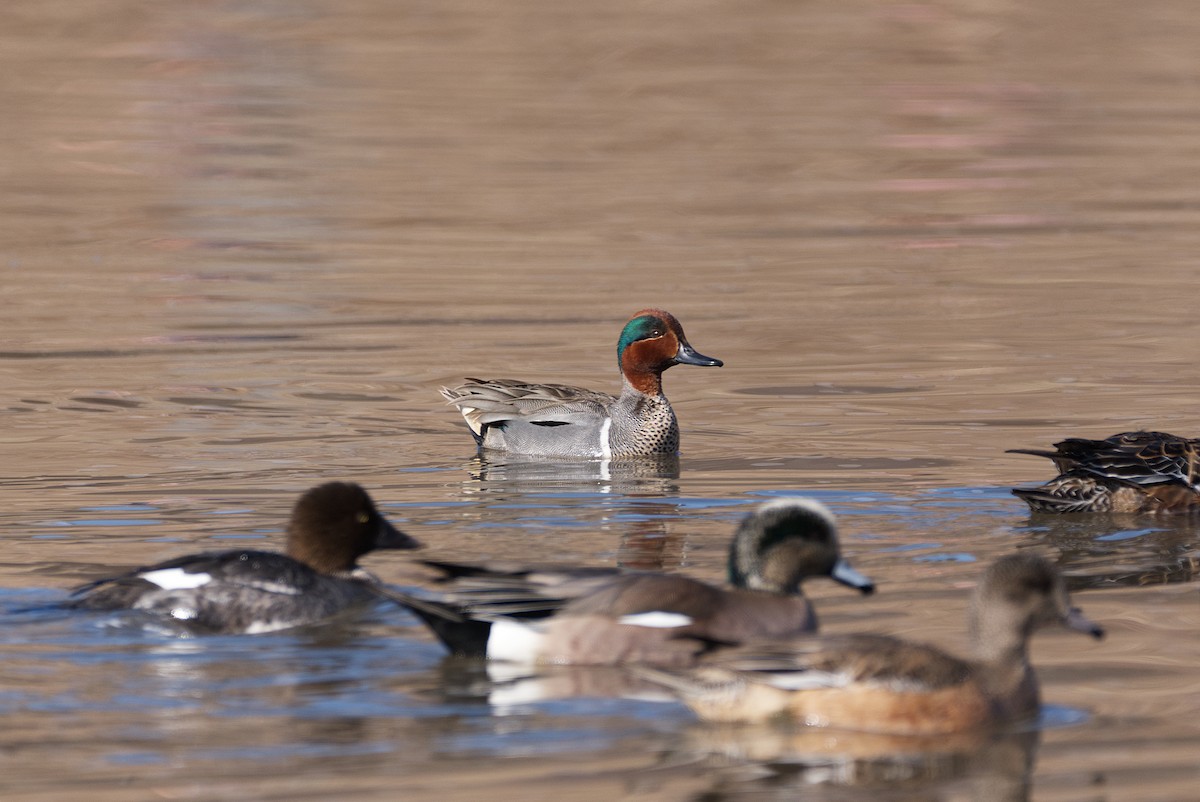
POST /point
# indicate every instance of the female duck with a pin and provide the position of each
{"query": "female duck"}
(1131, 472)
(605, 616)
(554, 420)
(249, 591)
(875, 683)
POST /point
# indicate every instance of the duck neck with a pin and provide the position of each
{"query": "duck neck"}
(1002, 652)
(321, 560)
(999, 651)
(998, 642)
(642, 381)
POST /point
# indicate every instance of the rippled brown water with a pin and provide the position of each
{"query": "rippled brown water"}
(244, 243)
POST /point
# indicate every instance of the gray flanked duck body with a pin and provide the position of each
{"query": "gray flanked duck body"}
(556, 420)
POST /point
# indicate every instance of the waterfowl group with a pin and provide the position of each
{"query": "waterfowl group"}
(746, 652)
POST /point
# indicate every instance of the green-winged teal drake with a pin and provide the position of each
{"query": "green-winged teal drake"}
(555, 420)
(876, 683)
(606, 616)
(1131, 472)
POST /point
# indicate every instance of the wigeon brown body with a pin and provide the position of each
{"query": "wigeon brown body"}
(606, 616)
(876, 683)
(555, 420)
(1131, 472)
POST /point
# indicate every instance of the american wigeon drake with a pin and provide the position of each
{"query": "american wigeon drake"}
(1131, 472)
(608, 617)
(555, 420)
(249, 591)
(876, 683)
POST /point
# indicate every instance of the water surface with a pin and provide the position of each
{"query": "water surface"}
(244, 244)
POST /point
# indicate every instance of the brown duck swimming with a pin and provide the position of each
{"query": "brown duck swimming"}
(1131, 472)
(877, 683)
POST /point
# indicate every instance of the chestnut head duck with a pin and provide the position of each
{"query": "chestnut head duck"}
(556, 420)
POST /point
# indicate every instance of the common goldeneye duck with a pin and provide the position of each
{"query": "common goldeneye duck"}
(250, 591)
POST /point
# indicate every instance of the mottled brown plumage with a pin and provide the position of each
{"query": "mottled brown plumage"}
(877, 683)
(1130, 472)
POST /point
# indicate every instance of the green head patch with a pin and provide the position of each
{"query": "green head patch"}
(643, 327)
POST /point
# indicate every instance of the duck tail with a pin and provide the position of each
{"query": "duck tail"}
(1034, 452)
(459, 633)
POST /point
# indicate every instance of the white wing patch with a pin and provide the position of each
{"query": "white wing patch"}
(657, 619)
(605, 448)
(176, 578)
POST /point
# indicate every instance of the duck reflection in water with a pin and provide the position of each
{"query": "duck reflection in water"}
(762, 762)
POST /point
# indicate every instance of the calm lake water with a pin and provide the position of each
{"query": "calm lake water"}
(244, 243)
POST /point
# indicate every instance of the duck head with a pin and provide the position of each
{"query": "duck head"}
(651, 342)
(334, 524)
(786, 541)
(1018, 595)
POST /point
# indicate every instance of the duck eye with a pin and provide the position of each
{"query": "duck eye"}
(363, 517)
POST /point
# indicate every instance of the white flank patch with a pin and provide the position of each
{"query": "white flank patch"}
(806, 680)
(605, 448)
(176, 578)
(514, 641)
(657, 619)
